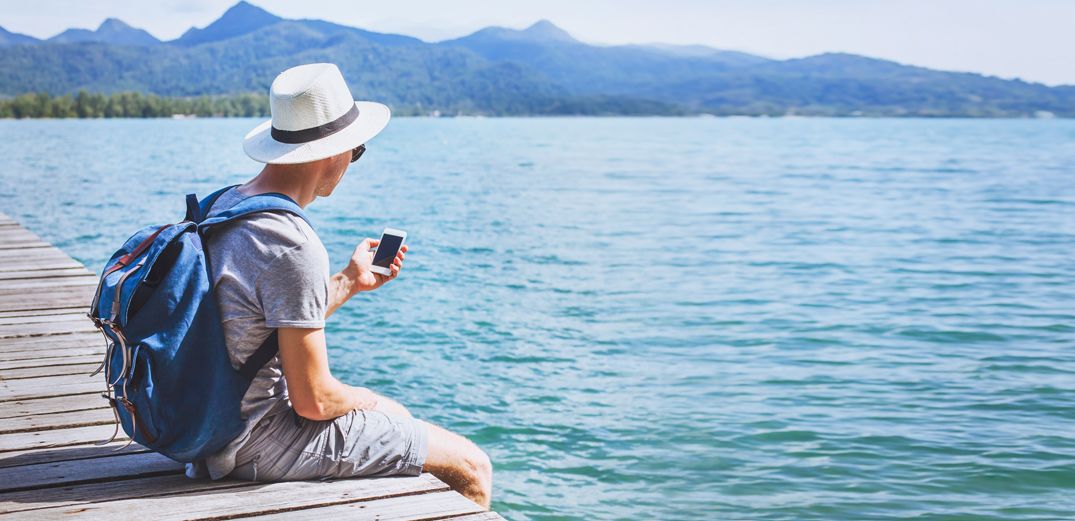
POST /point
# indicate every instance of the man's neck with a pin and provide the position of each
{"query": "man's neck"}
(299, 182)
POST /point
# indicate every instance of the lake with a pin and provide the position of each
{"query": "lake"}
(675, 318)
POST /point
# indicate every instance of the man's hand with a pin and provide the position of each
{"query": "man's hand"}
(358, 276)
(364, 279)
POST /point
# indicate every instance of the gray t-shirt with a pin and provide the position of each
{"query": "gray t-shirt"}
(270, 271)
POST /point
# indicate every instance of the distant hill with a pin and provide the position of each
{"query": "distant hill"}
(844, 84)
(241, 18)
(541, 69)
(591, 69)
(112, 30)
(10, 38)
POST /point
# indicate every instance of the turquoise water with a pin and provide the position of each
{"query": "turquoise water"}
(676, 318)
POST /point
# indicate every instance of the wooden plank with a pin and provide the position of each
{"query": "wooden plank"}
(17, 233)
(49, 249)
(26, 256)
(9, 235)
(13, 238)
(40, 265)
(69, 286)
(122, 466)
(39, 356)
(19, 229)
(39, 312)
(57, 438)
(17, 408)
(41, 318)
(66, 297)
(103, 491)
(46, 274)
(24, 229)
(35, 362)
(58, 420)
(52, 345)
(13, 233)
(47, 328)
(31, 456)
(14, 241)
(265, 498)
(31, 388)
(13, 287)
(8, 286)
(484, 516)
(73, 338)
(434, 505)
(40, 261)
(56, 370)
(22, 245)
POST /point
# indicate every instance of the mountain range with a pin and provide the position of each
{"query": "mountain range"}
(538, 70)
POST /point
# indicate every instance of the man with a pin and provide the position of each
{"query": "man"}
(272, 273)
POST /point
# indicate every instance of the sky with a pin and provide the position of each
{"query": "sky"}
(1029, 39)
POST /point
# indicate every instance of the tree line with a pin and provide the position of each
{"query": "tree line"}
(131, 105)
(138, 105)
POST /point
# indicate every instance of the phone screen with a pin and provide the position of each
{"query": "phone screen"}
(386, 250)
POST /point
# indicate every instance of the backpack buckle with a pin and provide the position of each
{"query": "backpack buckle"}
(127, 404)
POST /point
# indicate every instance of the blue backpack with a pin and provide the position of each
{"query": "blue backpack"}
(170, 381)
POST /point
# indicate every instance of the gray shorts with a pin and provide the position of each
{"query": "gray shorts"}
(288, 447)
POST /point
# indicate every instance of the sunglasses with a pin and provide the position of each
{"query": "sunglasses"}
(357, 152)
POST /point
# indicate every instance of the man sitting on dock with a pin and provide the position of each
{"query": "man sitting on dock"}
(271, 272)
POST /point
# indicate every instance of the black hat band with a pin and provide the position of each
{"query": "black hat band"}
(306, 135)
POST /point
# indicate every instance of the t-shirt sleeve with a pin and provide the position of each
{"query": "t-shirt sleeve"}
(293, 288)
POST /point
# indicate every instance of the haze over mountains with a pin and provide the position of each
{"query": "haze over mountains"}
(538, 70)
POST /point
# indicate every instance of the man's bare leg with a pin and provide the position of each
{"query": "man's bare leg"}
(458, 462)
(452, 458)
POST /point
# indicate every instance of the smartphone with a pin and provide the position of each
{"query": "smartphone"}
(385, 252)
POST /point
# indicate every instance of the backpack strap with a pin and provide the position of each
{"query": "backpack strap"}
(267, 202)
(261, 356)
(197, 211)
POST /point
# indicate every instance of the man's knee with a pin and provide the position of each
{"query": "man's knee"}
(477, 471)
(479, 466)
(460, 462)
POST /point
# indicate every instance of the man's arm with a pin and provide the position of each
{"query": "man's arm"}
(315, 393)
(340, 290)
(357, 276)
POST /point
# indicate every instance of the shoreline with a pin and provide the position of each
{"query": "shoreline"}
(185, 117)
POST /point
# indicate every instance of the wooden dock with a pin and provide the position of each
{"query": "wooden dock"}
(52, 414)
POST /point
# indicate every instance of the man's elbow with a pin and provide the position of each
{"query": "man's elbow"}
(315, 410)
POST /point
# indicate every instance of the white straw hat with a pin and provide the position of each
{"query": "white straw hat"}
(314, 116)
